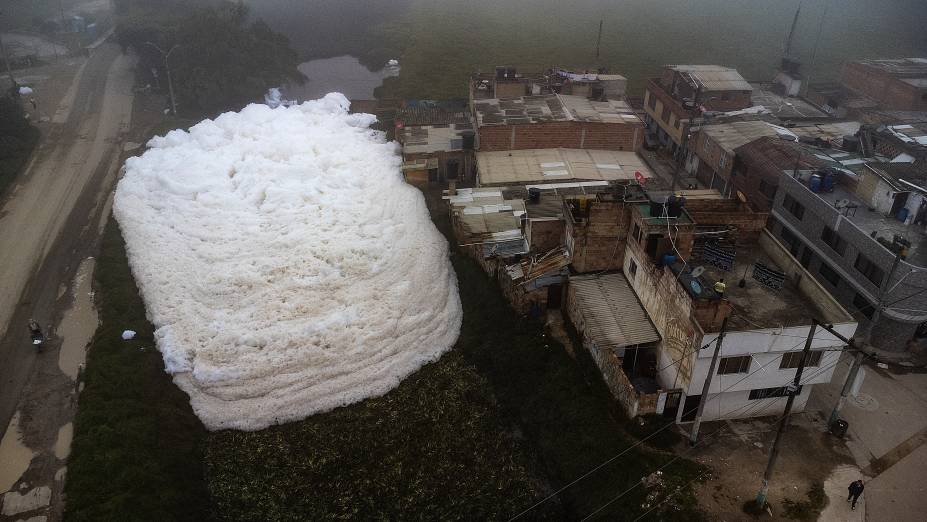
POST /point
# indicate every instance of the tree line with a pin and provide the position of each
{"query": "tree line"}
(221, 59)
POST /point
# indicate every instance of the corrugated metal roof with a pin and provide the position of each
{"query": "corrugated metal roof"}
(411, 116)
(558, 165)
(612, 314)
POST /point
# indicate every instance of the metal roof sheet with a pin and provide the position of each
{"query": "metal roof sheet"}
(715, 77)
(612, 314)
(558, 165)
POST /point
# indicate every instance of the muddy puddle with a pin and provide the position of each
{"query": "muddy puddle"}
(14, 455)
(79, 322)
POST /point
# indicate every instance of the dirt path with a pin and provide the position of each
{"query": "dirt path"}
(49, 224)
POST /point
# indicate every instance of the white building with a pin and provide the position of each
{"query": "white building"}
(768, 318)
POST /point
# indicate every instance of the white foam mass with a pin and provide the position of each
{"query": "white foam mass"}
(286, 266)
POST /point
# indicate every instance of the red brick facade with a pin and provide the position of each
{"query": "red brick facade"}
(565, 134)
(891, 92)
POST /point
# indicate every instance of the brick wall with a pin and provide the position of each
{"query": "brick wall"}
(599, 239)
(546, 234)
(565, 134)
(890, 92)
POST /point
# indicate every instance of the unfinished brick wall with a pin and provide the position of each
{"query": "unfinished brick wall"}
(600, 236)
(565, 134)
(546, 234)
(890, 92)
(719, 212)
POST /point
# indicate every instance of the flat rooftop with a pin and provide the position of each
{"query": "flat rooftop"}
(714, 77)
(900, 67)
(756, 306)
(558, 165)
(784, 107)
(545, 108)
(871, 221)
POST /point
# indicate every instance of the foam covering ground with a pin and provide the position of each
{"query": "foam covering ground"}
(286, 266)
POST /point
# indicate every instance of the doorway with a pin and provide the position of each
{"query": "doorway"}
(690, 409)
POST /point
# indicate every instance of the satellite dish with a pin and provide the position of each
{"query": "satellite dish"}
(697, 271)
(842, 203)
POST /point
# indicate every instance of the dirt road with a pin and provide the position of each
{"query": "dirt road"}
(49, 223)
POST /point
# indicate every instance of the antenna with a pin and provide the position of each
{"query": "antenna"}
(788, 41)
(598, 42)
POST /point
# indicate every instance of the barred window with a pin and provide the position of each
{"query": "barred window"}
(769, 393)
(793, 359)
(730, 365)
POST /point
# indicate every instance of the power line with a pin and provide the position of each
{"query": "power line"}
(645, 439)
(751, 411)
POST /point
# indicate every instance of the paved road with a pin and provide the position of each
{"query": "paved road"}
(45, 218)
(887, 436)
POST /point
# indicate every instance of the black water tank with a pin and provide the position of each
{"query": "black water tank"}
(468, 139)
(534, 195)
(656, 209)
(850, 143)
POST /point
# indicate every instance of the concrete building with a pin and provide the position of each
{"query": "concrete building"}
(848, 243)
(684, 92)
(759, 164)
(437, 144)
(552, 120)
(769, 317)
(901, 142)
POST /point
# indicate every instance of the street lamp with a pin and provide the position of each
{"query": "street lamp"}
(170, 85)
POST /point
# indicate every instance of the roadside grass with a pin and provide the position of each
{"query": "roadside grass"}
(137, 449)
(17, 141)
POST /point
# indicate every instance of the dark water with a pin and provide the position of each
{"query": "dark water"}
(342, 74)
(441, 41)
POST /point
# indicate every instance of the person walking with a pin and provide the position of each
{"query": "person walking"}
(856, 489)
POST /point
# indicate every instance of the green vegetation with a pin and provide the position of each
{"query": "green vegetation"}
(221, 60)
(137, 450)
(17, 139)
(807, 510)
(432, 449)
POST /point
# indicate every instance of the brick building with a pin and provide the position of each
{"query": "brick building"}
(683, 92)
(552, 120)
(759, 164)
(899, 84)
(711, 158)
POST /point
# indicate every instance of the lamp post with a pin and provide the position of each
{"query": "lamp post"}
(167, 68)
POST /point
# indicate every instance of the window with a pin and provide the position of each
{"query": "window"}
(636, 233)
(651, 101)
(730, 365)
(806, 256)
(790, 239)
(769, 393)
(706, 146)
(723, 160)
(832, 239)
(862, 304)
(666, 114)
(869, 269)
(768, 189)
(793, 359)
(632, 268)
(829, 274)
(677, 123)
(796, 208)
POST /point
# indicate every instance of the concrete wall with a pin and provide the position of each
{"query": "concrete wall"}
(663, 103)
(712, 157)
(669, 307)
(737, 405)
(895, 329)
(565, 134)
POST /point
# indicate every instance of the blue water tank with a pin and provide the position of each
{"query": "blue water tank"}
(829, 181)
(902, 214)
(815, 183)
(669, 259)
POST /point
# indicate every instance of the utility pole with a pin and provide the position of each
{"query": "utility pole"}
(167, 68)
(867, 337)
(784, 421)
(693, 436)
